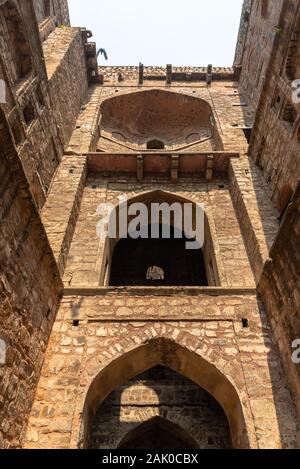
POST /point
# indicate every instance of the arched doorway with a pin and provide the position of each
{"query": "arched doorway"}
(158, 433)
(134, 259)
(160, 409)
(155, 145)
(179, 359)
(127, 261)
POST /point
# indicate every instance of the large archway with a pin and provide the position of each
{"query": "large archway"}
(128, 261)
(169, 354)
(160, 409)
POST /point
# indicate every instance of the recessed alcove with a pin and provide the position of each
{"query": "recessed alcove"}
(158, 119)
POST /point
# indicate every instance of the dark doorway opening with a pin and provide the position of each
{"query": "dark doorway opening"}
(157, 433)
(157, 262)
(159, 409)
(155, 145)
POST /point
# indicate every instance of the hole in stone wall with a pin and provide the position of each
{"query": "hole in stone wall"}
(261, 153)
(155, 145)
(76, 323)
(161, 118)
(277, 100)
(245, 323)
(246, 16)
(289, 116)
(29, 113)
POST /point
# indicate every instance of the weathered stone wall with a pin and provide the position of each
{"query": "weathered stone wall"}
(274, 147)
(61, 210)
(105, 337)
(45, 9)
(275, 142)
(250, 192)
(118, 336)
(42, 113)
(159, 393)
(254, 58)
(30, 286)
(87, 257)
(33, 134)
(242, 36)
(66, 67)
(280, 289)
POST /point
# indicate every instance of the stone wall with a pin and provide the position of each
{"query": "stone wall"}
(66, 68)
(275, 142)
(160, 395)
(30, 286)
(218, 337)
(42, 110)
(250, 192)
(102, 339)
(280, 290)
(45, 9)
(87, 255)
(258, 35)
(274, 148)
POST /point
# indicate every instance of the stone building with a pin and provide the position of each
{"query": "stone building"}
(123, 343)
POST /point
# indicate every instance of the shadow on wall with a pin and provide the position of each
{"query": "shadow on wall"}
(160, 409)
(168, 354)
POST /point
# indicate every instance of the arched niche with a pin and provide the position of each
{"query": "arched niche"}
(160, 409)
(163, 119)
(203, 259)
(159, 433)
(19, 51)
(179, 359)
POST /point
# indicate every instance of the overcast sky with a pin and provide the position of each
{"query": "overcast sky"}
(157, 32)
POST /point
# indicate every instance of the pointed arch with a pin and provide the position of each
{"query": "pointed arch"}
(160, 196)
(165, 352)
(159, 427)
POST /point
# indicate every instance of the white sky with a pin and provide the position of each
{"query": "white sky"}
(157, 32)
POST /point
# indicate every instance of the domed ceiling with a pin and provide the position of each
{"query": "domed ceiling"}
(155, 115)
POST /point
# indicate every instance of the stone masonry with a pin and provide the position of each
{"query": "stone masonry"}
(148, 364)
